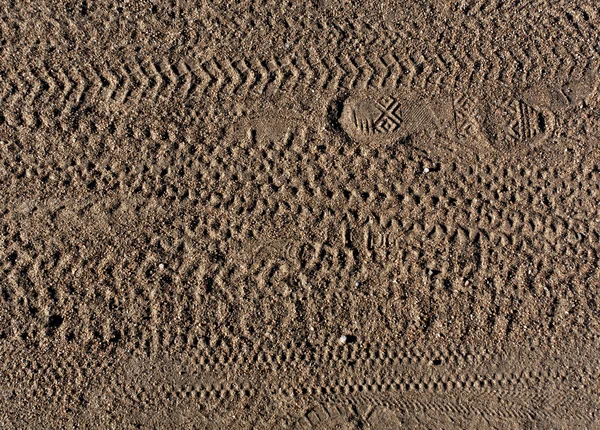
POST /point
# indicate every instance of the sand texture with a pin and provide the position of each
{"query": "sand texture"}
(301, 214)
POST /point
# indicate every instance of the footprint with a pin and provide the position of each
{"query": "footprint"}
(462, 124)
(572, 93)
(468, 115)
(377, 116)
(513, 124)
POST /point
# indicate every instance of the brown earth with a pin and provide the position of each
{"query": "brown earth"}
(295, 214)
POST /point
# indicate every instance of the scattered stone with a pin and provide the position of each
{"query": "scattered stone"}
(344, 339)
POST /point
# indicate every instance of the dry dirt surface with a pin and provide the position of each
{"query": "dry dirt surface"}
(302, 214)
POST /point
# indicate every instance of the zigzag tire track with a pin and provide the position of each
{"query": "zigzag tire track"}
(27, 92)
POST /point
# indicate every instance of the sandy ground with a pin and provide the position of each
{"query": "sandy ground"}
(328, 215)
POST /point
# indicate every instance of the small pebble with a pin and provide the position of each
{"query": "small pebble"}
(161, 266)
(426, 170)
(343, 339)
